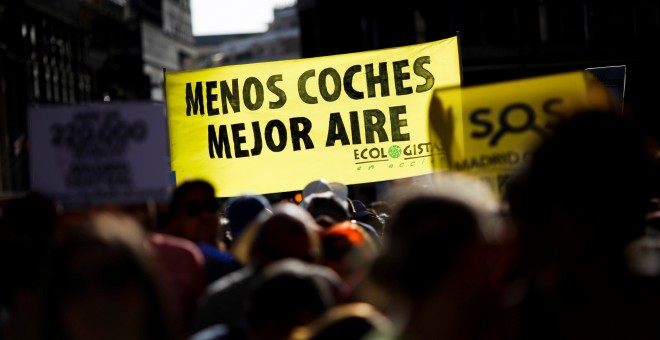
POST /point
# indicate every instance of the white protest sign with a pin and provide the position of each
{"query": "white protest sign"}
(99, 153)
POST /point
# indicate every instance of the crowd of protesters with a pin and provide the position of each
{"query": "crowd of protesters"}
(570, 252)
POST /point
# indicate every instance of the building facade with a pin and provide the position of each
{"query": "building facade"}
(76, 51)
(504, 40)
(280, 42)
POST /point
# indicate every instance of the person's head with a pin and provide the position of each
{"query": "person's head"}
(101, 283)
(585, 193)
(347, 249)
(289, 293)
(193, 212)
(240, 210)
(339, 189)
(289, 231)
(326, 204)
(441, 234)
(315, 187)
(359, 209)
(427, 234)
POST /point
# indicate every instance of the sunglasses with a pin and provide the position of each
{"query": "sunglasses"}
(197, 207)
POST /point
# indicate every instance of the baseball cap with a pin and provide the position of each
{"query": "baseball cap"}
(340, 189)
(242, 209)
(316, 186)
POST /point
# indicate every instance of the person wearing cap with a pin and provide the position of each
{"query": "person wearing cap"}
(329, 204)
(340, 189)
(326, 208)
(241, 210)
(322, 185)
(315, 187)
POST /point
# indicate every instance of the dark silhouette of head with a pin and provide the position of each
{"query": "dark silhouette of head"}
(241, 210)
(289, 231)
(102, 283)
(193, 212)
(289, 293)
(585, 192)
(426, 234)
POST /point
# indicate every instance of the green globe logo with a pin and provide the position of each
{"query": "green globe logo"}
(394, 151)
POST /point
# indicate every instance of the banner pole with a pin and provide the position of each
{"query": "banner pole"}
(460, 55)
(164, 86)
(167, 120)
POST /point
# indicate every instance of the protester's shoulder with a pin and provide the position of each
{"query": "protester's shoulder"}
(215, 332)
(222, 299)
(176, 246)
(379, 334)
(370, 230)
(229, 282)
(213, 252)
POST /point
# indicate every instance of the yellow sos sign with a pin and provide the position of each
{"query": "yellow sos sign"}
(490, 130)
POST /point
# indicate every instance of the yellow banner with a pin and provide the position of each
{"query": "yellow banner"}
(274, 127)
(490, 130)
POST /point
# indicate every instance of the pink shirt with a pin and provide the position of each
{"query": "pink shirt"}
(180, 266)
